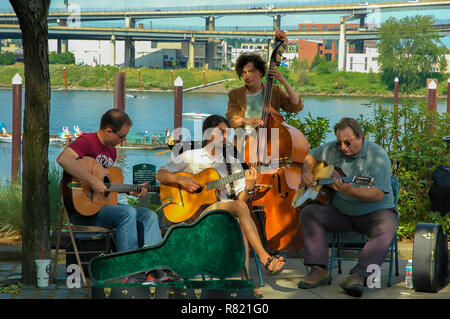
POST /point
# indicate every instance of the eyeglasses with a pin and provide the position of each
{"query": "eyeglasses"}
(120, 135)
(346, 143)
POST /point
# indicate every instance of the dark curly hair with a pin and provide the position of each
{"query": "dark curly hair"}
(248, 57)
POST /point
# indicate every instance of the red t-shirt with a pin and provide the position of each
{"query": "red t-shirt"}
(88, 144)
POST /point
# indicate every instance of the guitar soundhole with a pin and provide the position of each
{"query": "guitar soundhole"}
(106, 181)
(199, 190)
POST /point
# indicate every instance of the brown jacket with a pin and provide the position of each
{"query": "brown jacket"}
(237, 103)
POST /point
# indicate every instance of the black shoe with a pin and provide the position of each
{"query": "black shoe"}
(353, 285)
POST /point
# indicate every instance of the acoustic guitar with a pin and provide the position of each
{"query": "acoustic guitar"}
(79, 197)
(319, 192)
(180, 205)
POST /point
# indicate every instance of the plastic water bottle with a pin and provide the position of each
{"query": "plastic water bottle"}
(408, 275)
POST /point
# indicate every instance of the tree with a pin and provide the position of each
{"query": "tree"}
(32, 15)
(408, 49)
(316, 61)
(7, 58)
(62, 58)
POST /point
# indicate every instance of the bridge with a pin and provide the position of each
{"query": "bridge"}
(68, 24)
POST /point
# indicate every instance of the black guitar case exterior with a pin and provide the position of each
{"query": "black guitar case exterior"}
(430, 258)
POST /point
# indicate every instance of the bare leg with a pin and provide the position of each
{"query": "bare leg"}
(240, 209)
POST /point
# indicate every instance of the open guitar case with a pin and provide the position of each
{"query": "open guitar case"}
(213, 245)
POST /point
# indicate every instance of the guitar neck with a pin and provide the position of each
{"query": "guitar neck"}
(228, 179)
(328, 181)
(125, 188)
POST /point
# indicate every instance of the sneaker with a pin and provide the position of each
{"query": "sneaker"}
(316, 277)
(353, 285)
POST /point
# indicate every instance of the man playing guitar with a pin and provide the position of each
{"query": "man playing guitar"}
(135, 226)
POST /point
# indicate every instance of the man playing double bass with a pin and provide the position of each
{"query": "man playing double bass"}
(245, 104)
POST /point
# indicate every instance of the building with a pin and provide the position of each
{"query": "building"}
(148, 53)
(328, 48)
(363, 62)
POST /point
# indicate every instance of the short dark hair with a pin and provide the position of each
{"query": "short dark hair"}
(248, 57)
(212, 121)
(115, 118)
(349, 122)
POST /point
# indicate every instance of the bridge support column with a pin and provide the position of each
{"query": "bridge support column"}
(62, 43)
(359, 44)
(209, 46)
(129, 52)
(191, 54)
(112, 51)
(342, 46)
(276, 22)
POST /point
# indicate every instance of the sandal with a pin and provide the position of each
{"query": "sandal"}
(277, 259)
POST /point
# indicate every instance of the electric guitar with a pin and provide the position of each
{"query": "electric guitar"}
(79, 197)
(180, 205)
(319, 192)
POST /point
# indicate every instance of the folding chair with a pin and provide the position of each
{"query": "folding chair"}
(77, 231)
(357, 241)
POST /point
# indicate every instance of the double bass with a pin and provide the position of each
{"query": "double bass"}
(277, 220)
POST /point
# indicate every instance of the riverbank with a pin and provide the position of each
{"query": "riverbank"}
(101, 78)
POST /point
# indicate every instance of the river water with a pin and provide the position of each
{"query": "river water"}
(153, 112)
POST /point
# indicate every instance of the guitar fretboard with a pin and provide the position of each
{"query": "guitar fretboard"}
(125, 188)
(328, 181)
(231, 178)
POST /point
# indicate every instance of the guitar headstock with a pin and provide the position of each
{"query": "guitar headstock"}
(363, 180)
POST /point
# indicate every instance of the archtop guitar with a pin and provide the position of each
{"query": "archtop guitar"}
(319, 192)
(180, 205)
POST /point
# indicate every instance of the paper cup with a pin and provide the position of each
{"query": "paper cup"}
(42, 272)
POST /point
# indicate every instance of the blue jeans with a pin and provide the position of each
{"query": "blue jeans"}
(135, 226)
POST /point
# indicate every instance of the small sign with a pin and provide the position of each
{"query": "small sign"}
(144, 173)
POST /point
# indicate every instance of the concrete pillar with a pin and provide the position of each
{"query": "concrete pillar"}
(112, 50)
(130, 22)
(276, 22)
(191, 54)
(342, 46)
(129, 52)
(210, 23)
(62, 43)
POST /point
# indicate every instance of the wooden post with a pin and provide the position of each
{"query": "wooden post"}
(171, 77)
(204, 78)
(106, 80)
(178, 109)
(139, 74)
(432, 95)
(119, 90)
(65, 78)
(448, 96)
(16, 127)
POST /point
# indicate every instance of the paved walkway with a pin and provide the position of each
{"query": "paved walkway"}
(284, 286)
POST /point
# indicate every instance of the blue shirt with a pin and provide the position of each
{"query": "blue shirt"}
(371, 161)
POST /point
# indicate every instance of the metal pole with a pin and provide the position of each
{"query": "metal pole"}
(178, 109)
(171, 77)
(119, 90)
(432, 98)
(16, 127)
